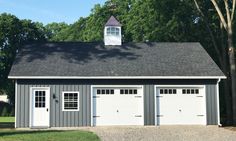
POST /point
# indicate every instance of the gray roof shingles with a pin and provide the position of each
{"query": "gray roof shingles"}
(130, 59)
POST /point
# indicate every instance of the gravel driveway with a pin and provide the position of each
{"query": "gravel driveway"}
(164, 133)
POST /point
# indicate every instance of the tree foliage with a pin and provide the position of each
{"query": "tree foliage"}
(142, 20)
(57, 31)
(13, 34)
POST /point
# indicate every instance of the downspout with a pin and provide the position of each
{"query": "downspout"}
(218, 102)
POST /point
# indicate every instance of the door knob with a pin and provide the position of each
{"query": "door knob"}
(180, 110)
(117, 111)
(47, 109)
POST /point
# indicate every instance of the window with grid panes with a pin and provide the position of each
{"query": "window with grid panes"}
(113, 31)
(39, 99)
(70, 101)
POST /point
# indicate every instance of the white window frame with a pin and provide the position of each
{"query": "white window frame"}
(115, 28)
(78, 107)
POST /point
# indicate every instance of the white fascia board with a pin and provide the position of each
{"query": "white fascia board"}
(116, 77)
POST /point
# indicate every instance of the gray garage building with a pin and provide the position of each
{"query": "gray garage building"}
(72, 84)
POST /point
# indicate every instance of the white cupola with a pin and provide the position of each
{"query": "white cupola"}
(112, 32)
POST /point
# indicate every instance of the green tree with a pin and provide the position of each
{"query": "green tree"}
(13, 34)
(217, 17)
(57, 31)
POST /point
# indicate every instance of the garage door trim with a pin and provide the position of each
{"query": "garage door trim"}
(179, 86)
(112, 86)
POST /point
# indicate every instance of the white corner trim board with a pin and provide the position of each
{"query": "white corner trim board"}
(116, 77)
(218, 102)
(15, 101)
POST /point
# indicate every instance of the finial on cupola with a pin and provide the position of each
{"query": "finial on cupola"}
(112, 32)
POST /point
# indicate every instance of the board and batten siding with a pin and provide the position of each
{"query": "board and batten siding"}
(211, 97)
(149, 105)
(59, 118)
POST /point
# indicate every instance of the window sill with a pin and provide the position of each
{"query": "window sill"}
(70, 110)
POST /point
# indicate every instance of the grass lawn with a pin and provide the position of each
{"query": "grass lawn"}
(7, 119)
(13, 135)
(7, 122)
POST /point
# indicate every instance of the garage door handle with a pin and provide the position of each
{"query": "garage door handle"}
(96, 96)
(159, 115)
(200, 115)
(138, 115)
(180, 110)
(199, 96)
(95, 116)
(159, 96)
(47, 109)
(138, 96)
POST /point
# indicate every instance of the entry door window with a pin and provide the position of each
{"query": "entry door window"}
(40, 99)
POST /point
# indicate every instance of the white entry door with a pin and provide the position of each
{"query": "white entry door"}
(118, 106)
(180, 106)
(40, 98)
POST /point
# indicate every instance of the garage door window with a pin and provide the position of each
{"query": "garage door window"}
(70, 101)
(105, 91)
(168, 91)
(128, 91)
(190, 91)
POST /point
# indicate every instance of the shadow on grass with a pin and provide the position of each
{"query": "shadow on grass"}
(6, 125)
(14, 132)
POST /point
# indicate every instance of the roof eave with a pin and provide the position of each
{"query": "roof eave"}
(117, 77)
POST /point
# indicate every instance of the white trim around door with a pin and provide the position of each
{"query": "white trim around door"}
(178, 89)
(39, 107)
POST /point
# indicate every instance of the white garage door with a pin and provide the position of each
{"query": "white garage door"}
(180, 106)
(118, 106)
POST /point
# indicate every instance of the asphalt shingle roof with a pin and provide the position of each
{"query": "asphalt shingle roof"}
(130, 59)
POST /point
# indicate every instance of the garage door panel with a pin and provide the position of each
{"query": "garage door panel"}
(165, 115)
(98, 104)
(186, 106)
(124, 107)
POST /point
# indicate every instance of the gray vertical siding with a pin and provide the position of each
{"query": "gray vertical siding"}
(149, 105)
(59, 118)
(22, 119)
(211, 101)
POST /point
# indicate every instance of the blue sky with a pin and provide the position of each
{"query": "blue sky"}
(47, 11)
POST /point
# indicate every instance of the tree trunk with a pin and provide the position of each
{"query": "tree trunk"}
(226, 82)
(232, 71)
(227, 90)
